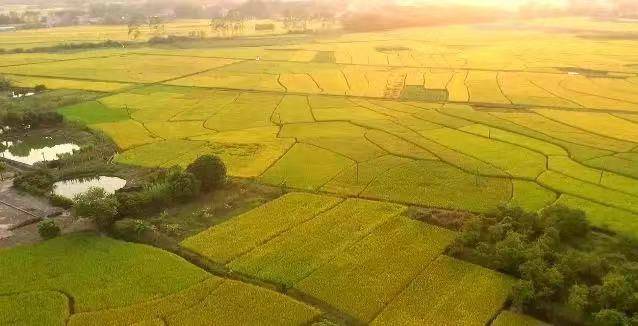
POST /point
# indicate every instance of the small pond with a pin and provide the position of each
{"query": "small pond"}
(27, 154)
(70, 188)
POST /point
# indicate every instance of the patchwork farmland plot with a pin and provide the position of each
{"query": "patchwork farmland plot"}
(360, 257)
(144, 284)
(460, 157)
(365, 125)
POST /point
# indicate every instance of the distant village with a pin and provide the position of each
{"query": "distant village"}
(15, 17)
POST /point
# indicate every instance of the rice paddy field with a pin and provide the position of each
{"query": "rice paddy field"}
(363, 258)
(357, 127)
(90, 280)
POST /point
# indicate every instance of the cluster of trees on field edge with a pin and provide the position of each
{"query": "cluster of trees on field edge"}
(568, 273)
(121, 213)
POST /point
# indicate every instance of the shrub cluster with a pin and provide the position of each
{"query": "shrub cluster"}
(568, 274)
(133, 229)
(169, 187)
(48, 229)
(5, 84)
(67, 46)
(31, 118)
(38, 182)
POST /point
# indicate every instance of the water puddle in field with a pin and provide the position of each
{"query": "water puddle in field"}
(21, 95)
(71, 188)
(31, 151)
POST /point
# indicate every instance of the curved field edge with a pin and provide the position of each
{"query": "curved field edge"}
(100, 280)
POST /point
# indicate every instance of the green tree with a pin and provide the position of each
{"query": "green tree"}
(578, 298)
(610, 317)
(48, 229)
(210, 171)
(570, 223)
(5, 84)
(523, 294)
(97, 205)
(3, 168)
(183, 186)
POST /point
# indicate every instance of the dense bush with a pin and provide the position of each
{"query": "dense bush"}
(133, 229)
(183, 186)
(40, 88)
(134, 203)
(97, 205)
(568, 274)
(5, 84)
(70, 46)
(60, 201)
(48, 229)
(38, 182)
(31, 118)
(167, 188)
(210, 171)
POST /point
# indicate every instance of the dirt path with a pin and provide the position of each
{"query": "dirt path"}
(19, 214)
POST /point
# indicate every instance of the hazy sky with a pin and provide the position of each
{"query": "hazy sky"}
(501, 3)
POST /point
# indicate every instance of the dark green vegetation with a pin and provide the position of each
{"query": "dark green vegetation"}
(210, 170)
(568, 273)
(48, 229)
(38, 110)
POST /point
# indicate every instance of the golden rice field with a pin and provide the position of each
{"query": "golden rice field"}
(488, 124)
(92, 280)
(360, 257)
(358, 127)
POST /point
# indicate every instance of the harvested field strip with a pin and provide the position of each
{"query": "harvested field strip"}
(258, 226)
(451, 290)
(369, 274)
(295, 254)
